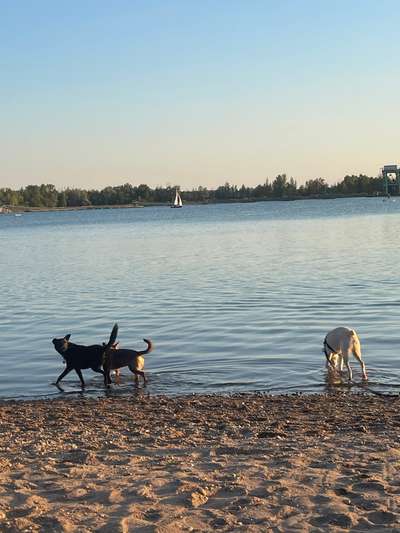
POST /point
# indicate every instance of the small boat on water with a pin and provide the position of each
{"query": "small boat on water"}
(388, 198)
(178, 200)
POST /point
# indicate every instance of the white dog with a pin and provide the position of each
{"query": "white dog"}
(339, 344)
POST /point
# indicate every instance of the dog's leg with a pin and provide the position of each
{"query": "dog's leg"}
(78, 371)
(63, 374)
(117, 376)
(349, 371)
(107, 377)
(345, 357)
(100, 371)
(362, 364)
(357, 355)
(140, 373)
(331, 361)
(133, 370)
(137, 374)
(333, 364)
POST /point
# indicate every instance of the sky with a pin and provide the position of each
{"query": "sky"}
(184, 92)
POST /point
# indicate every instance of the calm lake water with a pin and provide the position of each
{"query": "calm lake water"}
(236, 297)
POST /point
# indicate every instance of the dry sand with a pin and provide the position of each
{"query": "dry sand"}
(201, 463)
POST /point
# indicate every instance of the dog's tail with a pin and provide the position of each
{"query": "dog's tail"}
(148, 349)
(113, 337)
(110, 344)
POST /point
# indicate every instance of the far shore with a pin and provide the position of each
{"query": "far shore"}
(11, 209)
(234, 463)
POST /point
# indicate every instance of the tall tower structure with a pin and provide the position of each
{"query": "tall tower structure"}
(391, 179)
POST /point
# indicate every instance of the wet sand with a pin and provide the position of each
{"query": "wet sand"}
(245, 462)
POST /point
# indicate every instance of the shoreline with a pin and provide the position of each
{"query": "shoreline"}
(26, 209)
(236, 462)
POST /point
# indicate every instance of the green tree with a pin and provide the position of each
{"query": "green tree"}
(48, 195)
(62, 199)
(76, 198)
(10, 197)
(143, 193)
(316, 186)
(279, 186)
(32, 196)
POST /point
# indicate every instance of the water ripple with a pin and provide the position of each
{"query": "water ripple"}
(235, 297)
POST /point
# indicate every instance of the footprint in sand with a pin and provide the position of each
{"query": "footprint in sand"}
(363, 503)
(152, 515)
(342, 491)
(369, 486)
(320, 498)
(325, 465)
(332, 519)
(382, 518)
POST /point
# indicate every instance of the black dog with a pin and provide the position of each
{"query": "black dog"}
(78, 357)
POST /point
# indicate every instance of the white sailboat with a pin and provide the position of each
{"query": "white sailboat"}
(178, 200)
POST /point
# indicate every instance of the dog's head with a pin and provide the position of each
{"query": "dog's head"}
(114, 346)
(61, 345)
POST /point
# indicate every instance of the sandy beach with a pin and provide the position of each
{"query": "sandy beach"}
(244, 462)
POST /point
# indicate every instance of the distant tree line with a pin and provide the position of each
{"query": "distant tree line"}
(280, 188)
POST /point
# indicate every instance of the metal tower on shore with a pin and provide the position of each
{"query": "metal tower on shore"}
(391, 179)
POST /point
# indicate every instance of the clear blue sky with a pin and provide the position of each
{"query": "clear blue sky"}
(97, 93)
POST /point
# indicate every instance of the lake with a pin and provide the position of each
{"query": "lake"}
(236, 297)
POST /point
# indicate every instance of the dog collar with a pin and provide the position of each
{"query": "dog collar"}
(326, 345)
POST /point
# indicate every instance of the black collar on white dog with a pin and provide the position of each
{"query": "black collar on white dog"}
(326, 345)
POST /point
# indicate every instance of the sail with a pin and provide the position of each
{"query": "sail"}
(178, 199)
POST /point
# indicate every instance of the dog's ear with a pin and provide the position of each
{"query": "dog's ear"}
(67, 337)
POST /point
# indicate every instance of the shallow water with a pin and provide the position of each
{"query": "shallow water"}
(236, 297)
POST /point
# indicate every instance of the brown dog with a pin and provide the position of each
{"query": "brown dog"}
(116, 358)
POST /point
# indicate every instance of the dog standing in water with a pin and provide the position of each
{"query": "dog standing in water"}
(339, 344)
(78, 357)
(116, 358)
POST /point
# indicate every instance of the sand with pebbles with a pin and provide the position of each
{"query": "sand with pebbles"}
(248, 462)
